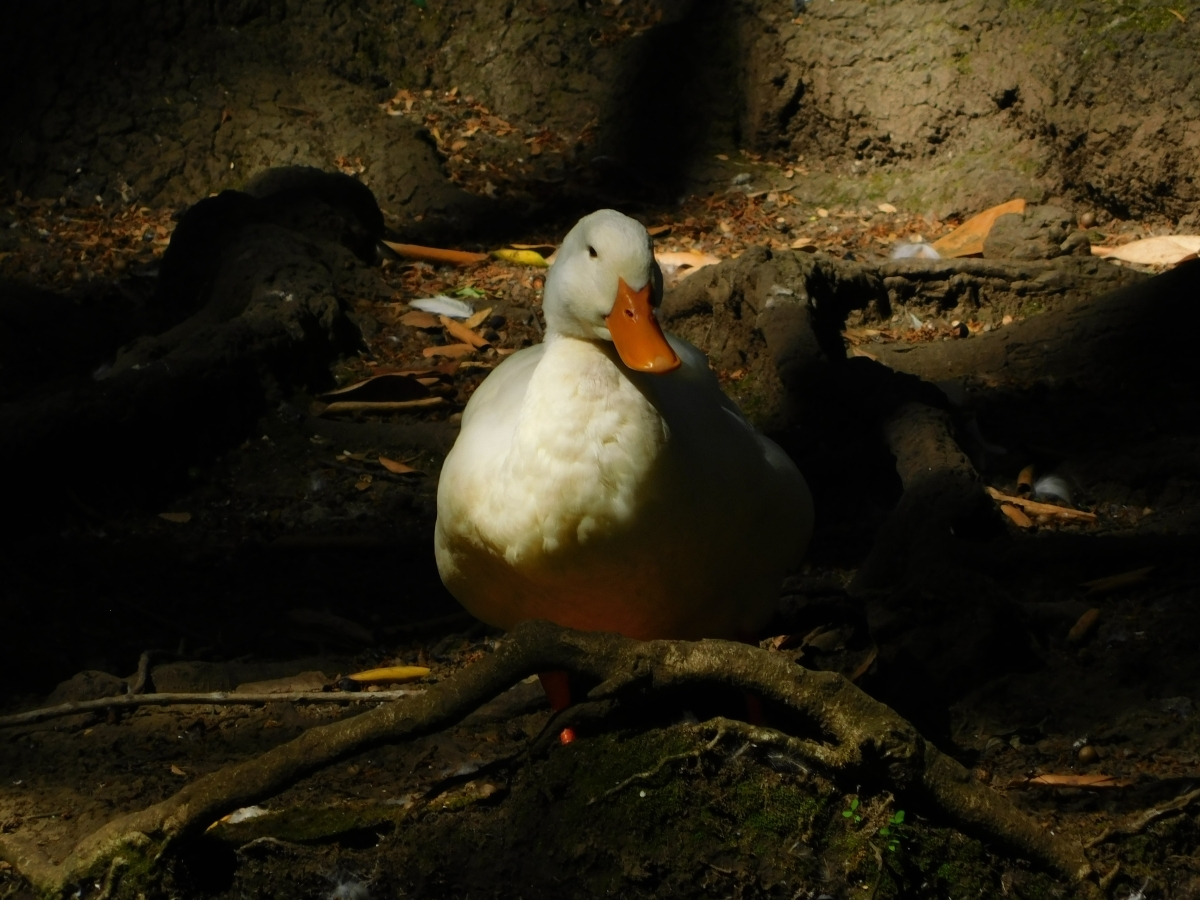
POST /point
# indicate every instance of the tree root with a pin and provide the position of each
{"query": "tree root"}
(857, 737)
(216, 698)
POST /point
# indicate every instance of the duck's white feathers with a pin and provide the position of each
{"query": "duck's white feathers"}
(584, 493)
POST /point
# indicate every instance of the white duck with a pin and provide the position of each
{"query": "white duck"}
(603, 481)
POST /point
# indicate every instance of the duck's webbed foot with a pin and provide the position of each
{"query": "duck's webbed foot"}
(557, 685)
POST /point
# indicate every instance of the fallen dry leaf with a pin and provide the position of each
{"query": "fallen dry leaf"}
(395, 467)
(389, 675)
(522, 257)
(463, 333)
(1168, 250)
(389, 388)
(364, 482)
(418, 319)
(658, 229)
(1083, 627)
(175, 770)
(967, 239)
(452, 351)
(1048, 509)
(436, 254)
(886, 208)
(478, 319)
(1116, 582)
(179, 518)
(1016, 515)
(1025, 481)
(679, 266)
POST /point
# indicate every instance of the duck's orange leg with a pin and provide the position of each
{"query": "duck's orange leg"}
(754, 707)
(557, 686)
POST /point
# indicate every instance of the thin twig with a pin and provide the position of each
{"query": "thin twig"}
(650, 773)
(218, 698)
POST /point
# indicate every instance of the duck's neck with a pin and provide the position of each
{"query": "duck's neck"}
(584, 444)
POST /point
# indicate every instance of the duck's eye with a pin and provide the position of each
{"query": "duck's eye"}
(592, 252)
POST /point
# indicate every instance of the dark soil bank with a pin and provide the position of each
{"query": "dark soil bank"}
(944, 106)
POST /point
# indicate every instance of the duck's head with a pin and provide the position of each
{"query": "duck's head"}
(605, 285)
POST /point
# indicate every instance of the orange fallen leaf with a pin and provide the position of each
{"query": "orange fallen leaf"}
(967, 239)
(1083, 627)
(364, 482)
(1116, 582)
(397, 468)
(658, 229)
(478, 319)
(453, 351)
(463, 333)
(418, 319)
(1025, 481)
(1016, 515)
(175, 770)
(436, 254)
(685, 263)
(1049, 509)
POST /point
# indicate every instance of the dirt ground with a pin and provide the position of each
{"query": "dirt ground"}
(238, 533)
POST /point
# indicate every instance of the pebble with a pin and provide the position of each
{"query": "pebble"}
(1087, 220)
(1088, 754)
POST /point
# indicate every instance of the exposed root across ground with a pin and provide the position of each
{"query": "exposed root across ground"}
(848, 733)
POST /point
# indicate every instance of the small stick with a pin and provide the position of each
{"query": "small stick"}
(381, 405)
(218, 698)
(650, 773)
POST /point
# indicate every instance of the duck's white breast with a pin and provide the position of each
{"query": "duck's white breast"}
(643, 504)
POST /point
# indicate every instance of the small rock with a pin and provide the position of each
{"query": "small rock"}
(1087, 220)
(1088, 754)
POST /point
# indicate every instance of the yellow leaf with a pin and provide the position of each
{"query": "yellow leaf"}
(522, 257)
(389, 675)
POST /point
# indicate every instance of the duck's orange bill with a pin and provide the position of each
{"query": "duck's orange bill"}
(636, 333)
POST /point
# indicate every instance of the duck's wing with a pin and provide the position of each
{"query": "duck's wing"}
(499, 397)
(744, 469)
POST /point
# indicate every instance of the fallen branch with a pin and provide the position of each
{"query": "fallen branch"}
(860, 737)
(218, 698)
